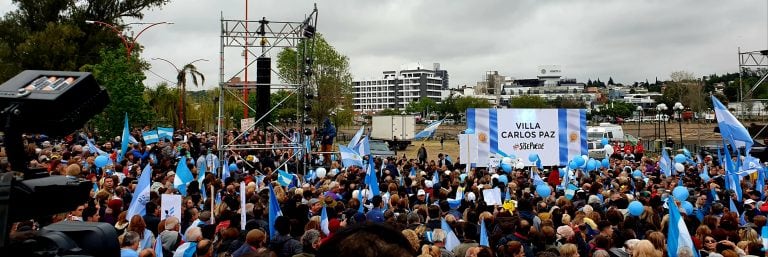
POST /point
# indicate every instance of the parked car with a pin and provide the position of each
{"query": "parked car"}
(380, 149)
(595, 150)
(449, 121)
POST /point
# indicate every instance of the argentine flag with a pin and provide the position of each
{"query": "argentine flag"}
(483, 234)
(165, 133)
(356, 138)
(138, 205)
(183, 176)
(429, 130)
(678, 236)
(124, 144)
(665, 163)
(349, 157)
(324, 222)
(274, 211)
(451, 241)
(731, 128)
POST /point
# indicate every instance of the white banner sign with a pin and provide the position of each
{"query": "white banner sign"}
(171, 206)
(554, 134)
(247, 124)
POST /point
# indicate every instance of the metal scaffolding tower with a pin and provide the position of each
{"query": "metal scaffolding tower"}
(268, 36)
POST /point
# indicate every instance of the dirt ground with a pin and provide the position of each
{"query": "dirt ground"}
(450, 147)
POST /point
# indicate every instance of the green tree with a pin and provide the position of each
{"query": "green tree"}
(610, 81)
(123, 81)
(528, 101)
(53, 34)
(163, 103)
(189, 69)
(422, 106)
(389, 112)
(466, 102)
(568, 103)
(286, 111)
(331, 80)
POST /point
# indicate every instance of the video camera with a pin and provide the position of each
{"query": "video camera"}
(55, 103)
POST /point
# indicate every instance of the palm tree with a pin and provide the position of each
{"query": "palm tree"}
(181, 83)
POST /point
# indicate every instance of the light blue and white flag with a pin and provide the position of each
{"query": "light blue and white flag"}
(93, 149)
(183, 176)
(138, 204)
(536, 178)
(355, 139)
(436, 178)
(371, 180)
(284, 178)
(158, 247)
(678, 236)
(665, 163)
(731, 128)
(429, 130)
(363, 147)
(324, 222)
(451, 241)
(764, 237)
(125, 137)
(349, 157)
(483, 234)
(165, 133)
(274, 211)
(243, 212)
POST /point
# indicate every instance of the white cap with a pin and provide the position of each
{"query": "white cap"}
(428, 183)
(471, 196)
(447, 172)
(749, 201)
(421, 192)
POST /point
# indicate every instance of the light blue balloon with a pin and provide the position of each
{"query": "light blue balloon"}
(543, 190)
(562, 173)
(680, 193)
(101, 161)
(503, 179)
(604, 141)
(506, 167)
(688, 207)
(573, 165)
(533, 157)
(704, 176)
(606, 163)
(637, 174)
(680, 158)
(636, 208)
(233, 167)
(591, 165)
(579, 161)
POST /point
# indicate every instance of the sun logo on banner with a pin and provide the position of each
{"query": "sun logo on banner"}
(573, 137)
(482, 137)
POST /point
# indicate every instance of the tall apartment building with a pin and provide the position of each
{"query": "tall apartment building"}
(396, 89)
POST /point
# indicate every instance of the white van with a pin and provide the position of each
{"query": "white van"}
(610, 131)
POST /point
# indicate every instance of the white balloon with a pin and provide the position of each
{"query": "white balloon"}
(519, 165)
(679, 167)
(333, 172)
(608, 149)
(506, 160)
(320, 172)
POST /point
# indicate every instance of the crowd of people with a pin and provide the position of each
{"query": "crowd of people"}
(425, 206)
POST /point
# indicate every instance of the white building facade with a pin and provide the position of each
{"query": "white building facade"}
(398, 88)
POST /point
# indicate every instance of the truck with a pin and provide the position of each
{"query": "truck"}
(396, 130)
(610, 131)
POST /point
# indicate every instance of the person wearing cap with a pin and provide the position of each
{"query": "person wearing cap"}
(421, 197)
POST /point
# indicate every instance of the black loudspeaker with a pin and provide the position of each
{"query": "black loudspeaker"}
(263, 87)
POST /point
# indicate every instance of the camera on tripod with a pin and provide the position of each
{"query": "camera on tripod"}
(54, 103)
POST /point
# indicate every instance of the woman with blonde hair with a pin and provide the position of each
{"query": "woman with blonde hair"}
(569, 250)
(645, 248)
(412, 237)
(658, 240)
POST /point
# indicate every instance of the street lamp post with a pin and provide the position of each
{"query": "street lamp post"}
(679, 111)
(662, 108)
(639, 119)
(128, 43)
(181, 93)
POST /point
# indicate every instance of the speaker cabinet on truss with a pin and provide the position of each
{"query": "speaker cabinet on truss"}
(263, 88)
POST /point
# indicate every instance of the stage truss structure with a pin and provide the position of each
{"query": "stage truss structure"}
(269, 35)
